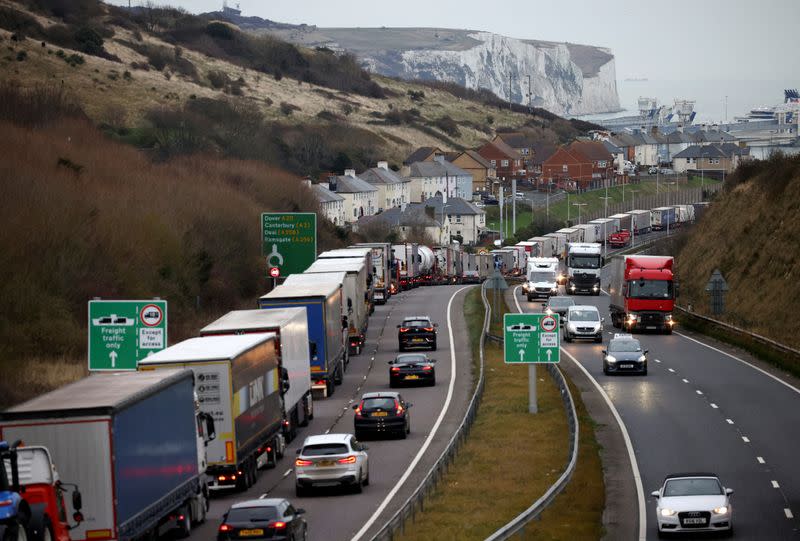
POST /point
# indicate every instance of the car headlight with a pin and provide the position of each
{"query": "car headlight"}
(548, 311)
(632, 317)
(595, 287)
(611, 359)
(667, 512)
(572, 287)
(554, 289)
(571, 327)
(721, 510)
(642, 359)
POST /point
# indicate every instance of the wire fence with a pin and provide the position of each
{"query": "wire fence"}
(416, 501)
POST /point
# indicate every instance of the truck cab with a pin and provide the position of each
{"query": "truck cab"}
(584, 262)
(642, 292)
(542, 280)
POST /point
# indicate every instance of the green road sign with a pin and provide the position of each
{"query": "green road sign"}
(289, 241)
(531, 338)
(123, 332)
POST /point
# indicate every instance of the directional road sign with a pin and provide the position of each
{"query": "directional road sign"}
(289, 241)
(531, 338)
(123, 332)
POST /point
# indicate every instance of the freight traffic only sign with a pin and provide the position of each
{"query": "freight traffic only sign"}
(289, 241)
(123, 332)
(531, 338)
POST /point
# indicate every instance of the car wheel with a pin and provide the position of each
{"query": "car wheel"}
(668, 330)
(644, 371)
(729, 533)
(331, 387)
(567, 338)
(359, 435)
(401, 347)
(392, 384)
(661, 534)
(599, 338)
(185, 528)
(366, 479)
(358, 487)
(433, 348)
(403, 434)
(433, 382)
(299, 491)
(605, 369)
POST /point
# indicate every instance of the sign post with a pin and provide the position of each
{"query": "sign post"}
(123, 332)
(531, 339)
(288, 241)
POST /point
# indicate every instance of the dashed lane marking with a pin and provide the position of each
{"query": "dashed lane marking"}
(685, 380)
(658, 360)
(698, 391)
(714, 406)
(729, 421)
(745, 439)
(761, 460)
(287, 473)
(788, 513)
(671, 370)
(775, 484)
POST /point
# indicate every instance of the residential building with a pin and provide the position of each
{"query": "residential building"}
(429, 179)
(423, 154)
(331, 204)
(482, 171)
(580, 166)
(465, 221)
(539, 153)
(646, 149)
(414, 220)
(360, 197)
(618, 156)
(712, 158)
(506, 160)
(393, 190)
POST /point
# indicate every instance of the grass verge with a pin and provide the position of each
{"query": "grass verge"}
(23, 380)
(511, 458)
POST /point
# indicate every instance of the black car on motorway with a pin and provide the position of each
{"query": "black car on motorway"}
(412, 368)
(383, 412)
(417, 332)
(266, 518)
(624, 354)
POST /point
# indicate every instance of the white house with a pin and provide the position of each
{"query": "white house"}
(464, 219)
(393, 190)
(429, 179)
(331, 204)
(415, 218)
(360, 197)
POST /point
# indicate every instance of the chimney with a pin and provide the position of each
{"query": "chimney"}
(332, 183)
(350, 173)
(383, 165)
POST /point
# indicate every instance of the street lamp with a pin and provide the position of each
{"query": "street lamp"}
(633, 207)
(579, 205)
(605, 225)
(668, 201)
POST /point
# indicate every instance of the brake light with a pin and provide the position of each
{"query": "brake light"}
(358, 411)
(395, 369)
(428, 329)
(427, 368)
(301, 462)
(279, 525)
(224, 528)
(403, 329)
(399, 409)
(320, 382)
(347, 460)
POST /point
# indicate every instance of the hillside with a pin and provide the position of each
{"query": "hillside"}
(750, 233)
(152, 75)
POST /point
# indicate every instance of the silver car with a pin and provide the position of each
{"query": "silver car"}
(331, 460)
(624, 354)
(693, 502)
(583, 321)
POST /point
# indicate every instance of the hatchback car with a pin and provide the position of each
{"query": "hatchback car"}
(693, 502)
(382, 413)
(558, 305)
(265, 518)
(417, 332)
(331, 460)
(624, 354)
(412, 368)
(583, 321)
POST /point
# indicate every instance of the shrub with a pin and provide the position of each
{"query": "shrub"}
(416, 95)
(21, 56)
(448, 126)
(288, 108)
(218, 79)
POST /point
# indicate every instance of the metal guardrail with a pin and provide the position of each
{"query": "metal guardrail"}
(417, 498)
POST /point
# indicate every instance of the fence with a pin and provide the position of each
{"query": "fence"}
(680, 197)
(417, 498)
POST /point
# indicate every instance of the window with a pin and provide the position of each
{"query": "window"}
(494, 163)
(458, 218)
(355, 213)
(324, 449)
(564, 168)
(253, 514)
(505, 163)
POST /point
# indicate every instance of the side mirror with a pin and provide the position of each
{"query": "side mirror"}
(646, 351)
(211, 431)
(344, 322)
(77, 503)
(435, 324)
(300, 511)
(354, 406)
(602, 319)
(728, 491)
(655, 494)
(349, 303)
(297, 451)
(605, 352)
(364, 447)
(409, 404)
(77, 516)
(312, 349)
(398, 326)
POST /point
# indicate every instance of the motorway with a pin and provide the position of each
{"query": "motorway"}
(703, 409)
(333, 514)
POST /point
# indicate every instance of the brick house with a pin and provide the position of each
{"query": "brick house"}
(483, 172)
(580, 166)
(507, 161)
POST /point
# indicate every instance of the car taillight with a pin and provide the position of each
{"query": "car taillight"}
(403, 329)
(399, 409)
(5, 503)
(428, 329)
(301, 462)
(280, 525)
(427, 368)
(224, 528)
(358, 411)
(347, 460)
(395, 369)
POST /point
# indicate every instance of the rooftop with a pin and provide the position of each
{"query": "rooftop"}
(437, 169)
(324, 195)
(378, 175)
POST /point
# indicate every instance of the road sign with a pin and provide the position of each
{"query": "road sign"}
(289, 241)
(123, 332)
(531, 338)
(274, 272)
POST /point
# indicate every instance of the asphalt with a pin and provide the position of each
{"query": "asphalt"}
(336, 515)
(699, 409)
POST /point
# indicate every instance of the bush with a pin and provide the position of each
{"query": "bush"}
(89, 41)
(416, 95)
(21, 56)
(288, 108)
(448, 126)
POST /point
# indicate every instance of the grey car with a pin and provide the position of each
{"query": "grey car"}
(624, 354)
(558, 305)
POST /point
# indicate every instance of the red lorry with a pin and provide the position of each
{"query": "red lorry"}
(642, 292)
(620, 239)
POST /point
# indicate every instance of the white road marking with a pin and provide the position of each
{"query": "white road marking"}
(368, 524)
(788, 513)
(328, 431)
(729, 421)
(658, 360)
(685, 380)
(775, 484)
(754, 367)
(698, 391)
(287, 473)
(745, 439)
(714, 406)
(637, 478)
(671, 370)
(760, 460)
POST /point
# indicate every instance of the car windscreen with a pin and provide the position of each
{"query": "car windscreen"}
(252, 514)
(692, 487)
(369, 404)
(324, 449)
(416, 323)
(410, 359)
(584, 261)
(560, 302)
(650, 289)
(543, 277)
(625, 346)
(584, 315)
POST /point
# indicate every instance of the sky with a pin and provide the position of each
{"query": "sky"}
(663, 40)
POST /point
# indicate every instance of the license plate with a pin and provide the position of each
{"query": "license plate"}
(412, 377)
(325, 463)
(653, 327)
(250, 533)
(380, 414)
(626, 366)
(694, 520)
(418, 340)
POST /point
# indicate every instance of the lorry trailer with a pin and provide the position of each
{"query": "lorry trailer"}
(381, 269)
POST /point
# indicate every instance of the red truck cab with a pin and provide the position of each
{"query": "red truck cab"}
(642, 292)
(619, 239)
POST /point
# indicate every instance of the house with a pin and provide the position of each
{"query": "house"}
(330, 203)
(423, 154)
(580, 166)
(438, 177)
(627, 143)
(675, 142)
(722, 158)
(711, 137)
(393, 190)
(465, 221)
(360, 197)
(539, 153)
(482, 171)
(506, 160)
(646, 149)
(415, 220)
(618, 156)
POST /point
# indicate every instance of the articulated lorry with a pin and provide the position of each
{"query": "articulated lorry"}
(640, 221)
(327, 327)
(363, 255)
(238, 381)
(357, 296)
(133, 442)
(584, 261)
(407, 260)
(381, 269)
(294, 359)
(470, 268)
(662, 218)
(642, 293)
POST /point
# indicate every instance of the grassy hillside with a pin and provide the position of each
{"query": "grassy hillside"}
(751, 234)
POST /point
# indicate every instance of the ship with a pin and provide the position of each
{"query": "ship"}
(652, 114)
(790, 96)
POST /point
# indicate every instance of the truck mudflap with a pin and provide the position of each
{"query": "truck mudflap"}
(153, 515)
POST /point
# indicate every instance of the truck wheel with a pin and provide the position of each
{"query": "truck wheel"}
(39, 528)
(338, 375)
(331, 386)
(185, 526)
(306, 406)
(668, 330)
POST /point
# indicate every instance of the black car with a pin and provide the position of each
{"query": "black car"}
(265, 518)
(412, 368)
(624, 354)
(417, 332)
(382, 413)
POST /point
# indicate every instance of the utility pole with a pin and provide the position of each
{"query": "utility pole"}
(605, 228)
(501, 212)
(633, 207)
(579, 205)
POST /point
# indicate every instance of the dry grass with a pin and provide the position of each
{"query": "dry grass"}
(38, 376)
(510, 458)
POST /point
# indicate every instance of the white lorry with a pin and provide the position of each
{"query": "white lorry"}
(541, 278)
(584, 262)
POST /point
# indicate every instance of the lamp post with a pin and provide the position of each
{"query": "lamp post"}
(567, 208)
(605, 225)
(633, 207)
(668, 201)
(579, 205)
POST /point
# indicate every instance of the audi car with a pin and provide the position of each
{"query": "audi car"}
(382, 413)
(412, 368)
(693, 502)
(624, 354)
(417, 332)
(331, 460)
(265, 518)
